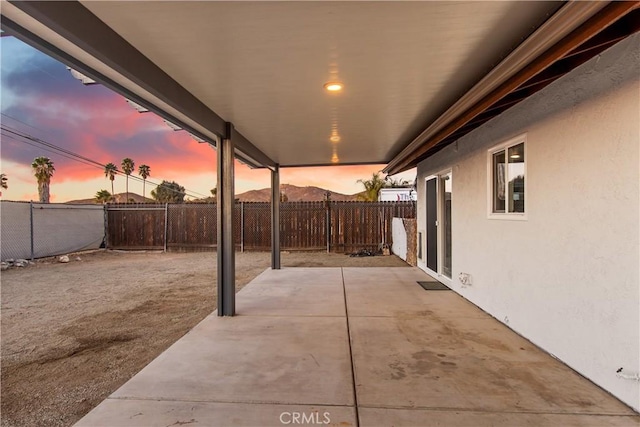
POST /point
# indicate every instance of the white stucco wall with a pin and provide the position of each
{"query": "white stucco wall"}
(399, 235)
(568, 276)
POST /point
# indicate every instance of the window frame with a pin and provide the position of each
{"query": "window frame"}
(504, 146)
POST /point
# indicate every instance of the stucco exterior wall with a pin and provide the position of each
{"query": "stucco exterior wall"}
(567, 277)
(399, 246)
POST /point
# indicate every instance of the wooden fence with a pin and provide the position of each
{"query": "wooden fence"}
(333, 226)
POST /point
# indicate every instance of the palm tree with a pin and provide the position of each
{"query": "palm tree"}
(43, 170)
(145, 172)
(102, 196)
(128, 166)
(371, 188)
(110, 171)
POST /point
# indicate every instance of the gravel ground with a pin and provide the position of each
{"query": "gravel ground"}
(73, 333)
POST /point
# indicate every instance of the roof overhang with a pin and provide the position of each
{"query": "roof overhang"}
(95, 50)
(575, 34)
(419, 75)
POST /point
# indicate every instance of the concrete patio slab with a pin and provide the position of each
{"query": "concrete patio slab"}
(381, 300)
(426, 361)
(126, 413)
(419, 358)
(390, 292)
(306, 275)
(440, 418)
(385, 275)
(252, 360)
(291, 299)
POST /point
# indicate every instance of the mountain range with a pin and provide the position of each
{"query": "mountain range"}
(119, 198)
(293, 193)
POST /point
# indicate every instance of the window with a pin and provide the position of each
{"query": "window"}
(507, 183)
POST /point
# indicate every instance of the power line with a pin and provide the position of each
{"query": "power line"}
(20, 121)
(45, 149)
(47, 146)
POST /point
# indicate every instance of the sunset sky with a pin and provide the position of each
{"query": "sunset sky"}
(39, 97)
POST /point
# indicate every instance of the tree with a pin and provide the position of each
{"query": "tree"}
(103, 196)
(371, 188)
(128, 166)
(3, 181)
(43, 170)
(169, 192)
(110, 171)
(145, 172)
(283, 197)
(214, 192)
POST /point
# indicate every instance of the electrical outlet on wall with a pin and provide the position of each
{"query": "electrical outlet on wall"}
(465, 279)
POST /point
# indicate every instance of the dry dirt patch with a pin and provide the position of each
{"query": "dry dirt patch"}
(73, 333)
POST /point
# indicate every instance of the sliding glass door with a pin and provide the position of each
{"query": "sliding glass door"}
(446, 187)
(439, 191)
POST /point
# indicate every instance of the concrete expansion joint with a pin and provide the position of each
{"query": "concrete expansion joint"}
(351, 357)
(488, 411)
(315, 316)
(232, 401)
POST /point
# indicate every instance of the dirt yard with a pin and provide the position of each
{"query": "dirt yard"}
(73, 333)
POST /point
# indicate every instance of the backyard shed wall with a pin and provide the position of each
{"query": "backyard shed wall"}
(567, 277)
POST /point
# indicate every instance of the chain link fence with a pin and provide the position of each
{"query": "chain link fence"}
(331, 226)
(35, 230)
(136, 226)
(191, 227)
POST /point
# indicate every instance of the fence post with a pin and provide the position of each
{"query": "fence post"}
(31, 226)
(106, 226)
(383, 229)
(166, 224)
(328, 222)
(241, 226)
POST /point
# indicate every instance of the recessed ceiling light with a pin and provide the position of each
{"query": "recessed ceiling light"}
(333, 86)
(515, 156)
(335, 138)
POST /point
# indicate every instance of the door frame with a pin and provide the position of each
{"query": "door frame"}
(430, 227)
(438, 275)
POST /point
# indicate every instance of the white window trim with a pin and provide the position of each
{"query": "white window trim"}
(510, 216)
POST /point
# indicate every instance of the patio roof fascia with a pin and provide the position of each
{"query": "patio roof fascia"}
(570, 27)
(13, 29)
(77, 25)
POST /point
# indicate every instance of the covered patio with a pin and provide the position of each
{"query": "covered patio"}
(337, 346)
(298, 84)
(356, 346)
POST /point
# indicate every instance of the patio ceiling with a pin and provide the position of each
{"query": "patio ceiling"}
(262, 66)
